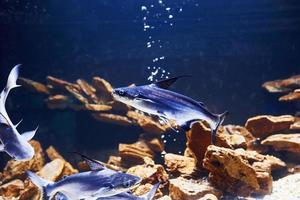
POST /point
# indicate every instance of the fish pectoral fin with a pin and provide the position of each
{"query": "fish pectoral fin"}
(1, 147)
(94, 165)
(165, 84)
(100, 193)
(29, 134)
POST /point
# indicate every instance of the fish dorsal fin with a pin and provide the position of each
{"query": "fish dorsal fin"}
(4, 120)
(94, 165)
(18, 123)
(29, 134)
(151, 193)
(165, 84)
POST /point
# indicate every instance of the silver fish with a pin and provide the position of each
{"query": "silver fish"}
(100, 182)
(11, 141)
(121, 196)
(156, 100)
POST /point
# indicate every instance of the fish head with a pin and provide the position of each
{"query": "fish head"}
(125, 94)
(121, 182)
(19, 149)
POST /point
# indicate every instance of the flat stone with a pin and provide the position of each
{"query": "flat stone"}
(11, 189)
(198, 139)
(293, 96)
(189, 189)
(179, 164)
(233, 137)
(33, 86)
(16, 169)
(239, 171)
(58, 101)
(113, 118)
(284, 142)
(264, 125)
(132, 154)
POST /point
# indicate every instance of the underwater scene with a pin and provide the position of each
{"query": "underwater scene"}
(149, 99)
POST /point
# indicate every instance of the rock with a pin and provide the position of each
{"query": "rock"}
(96, 107)
(293, 96)
(88, 90)
(295, 125)
(112, 118)
(115, 162)
(241, 172)
(103, 88)
(285, 85)
(58, 101)
(16, 169)
(265, 125)
(52, 171)
(135, 153)
(12, 188)
(68, 168)
(233, 137)
(76, 94)
(198, 139)
(33, 86)
(150, 173)
(179, 164)
(165, 198)
(147, 123)
(60, 85)
(145, 188)
(284, 142)
(285, 188)
(155, 144)
(189, 189)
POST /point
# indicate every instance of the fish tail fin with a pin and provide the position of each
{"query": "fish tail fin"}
(39, 182)
(151, 193)
(221, 118)
(11, 83)
(13, 77)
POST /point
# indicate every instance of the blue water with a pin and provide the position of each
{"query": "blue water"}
(230, 48)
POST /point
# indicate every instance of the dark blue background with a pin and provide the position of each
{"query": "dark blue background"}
(230, 48)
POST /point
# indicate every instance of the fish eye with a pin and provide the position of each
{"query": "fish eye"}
(127, 184)
(121, 92)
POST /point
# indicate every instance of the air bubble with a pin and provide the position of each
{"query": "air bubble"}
(143, 8)
(170, 16)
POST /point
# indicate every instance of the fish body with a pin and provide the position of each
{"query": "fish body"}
(121, 196)
(12, 142)
(100, 182)
(155, 99)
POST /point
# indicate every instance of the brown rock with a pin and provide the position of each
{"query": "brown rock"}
(293, 96)
(33, 86)
(59, 84)
(284, 142)
(58, 101)
(112, 118)
(285, 85)
(149, 173)
(198, 139)
(52, 171)
(74, 92)
(179, 164)
(241, 172)
(12, 188)
(165, 198)
(155, 144)
(16, 169)
(188, 189)
(233, 137)
(97, 107)
(115, 163)
(103, 88)
(295, 125)
(135, 153)
(147, 123)
(68, 168)
(88, 90)
(264, 125)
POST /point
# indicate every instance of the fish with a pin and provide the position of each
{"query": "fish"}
(121, 196)
(90, 185)
(155, 99)
(16, 145)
